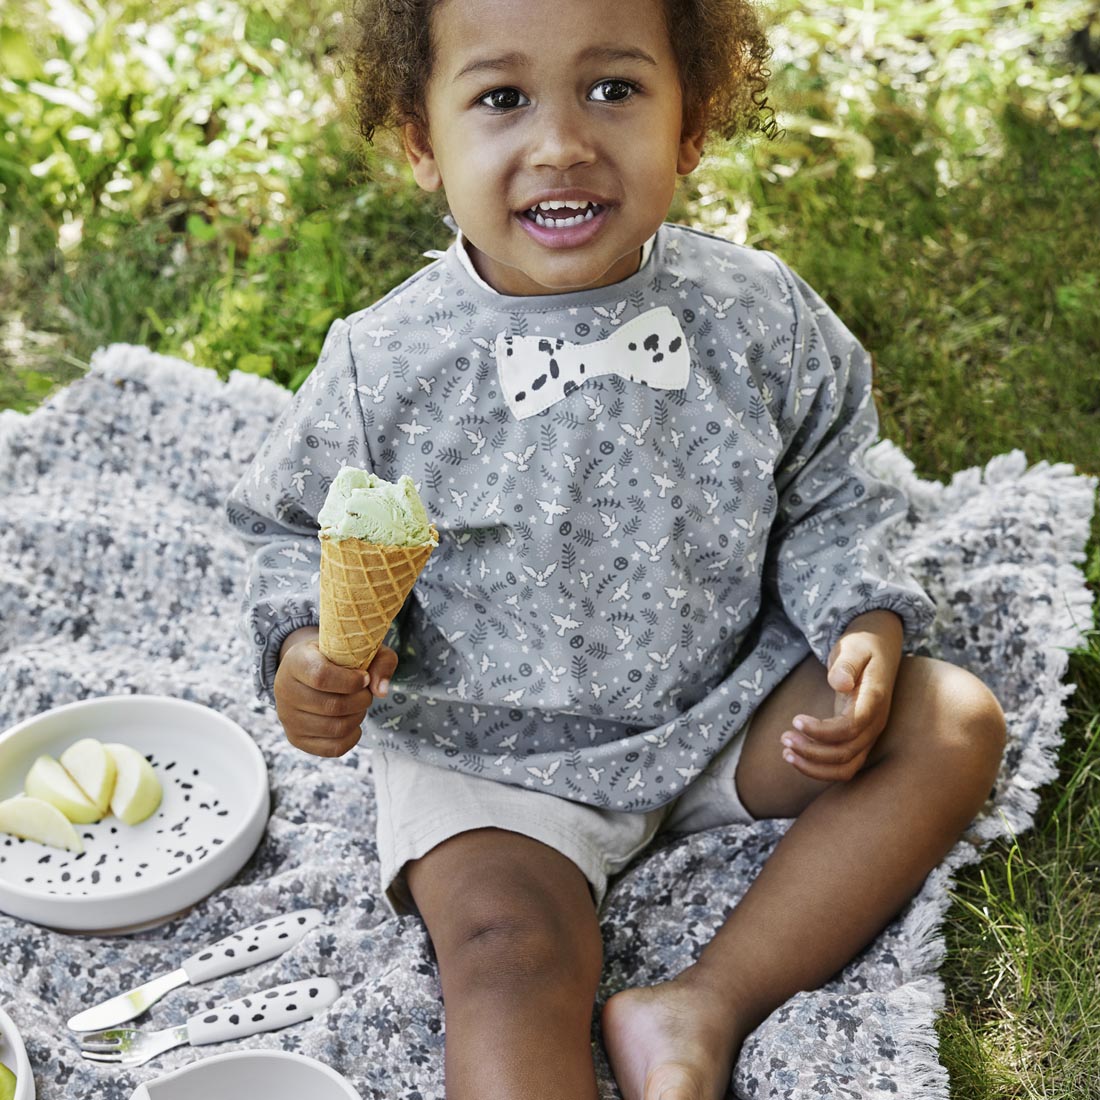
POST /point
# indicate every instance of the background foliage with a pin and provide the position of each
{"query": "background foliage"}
(185, 176)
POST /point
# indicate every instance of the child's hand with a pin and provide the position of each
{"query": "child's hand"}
(863, 666)
(322, 704)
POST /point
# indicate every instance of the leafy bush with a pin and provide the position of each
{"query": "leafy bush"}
(183, 174)
(131, 106)
(957, 63)
(128, 106)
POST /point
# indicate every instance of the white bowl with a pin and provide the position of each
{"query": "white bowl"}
(271, 1074)
(14, 1055)
(212, 816)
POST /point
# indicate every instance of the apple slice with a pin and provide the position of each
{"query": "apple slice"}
(7, 1084)
(137, 792)
(93, 769)
(49, 781)
(33, 819)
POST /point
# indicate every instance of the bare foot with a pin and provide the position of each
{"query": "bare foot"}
(667, 1042)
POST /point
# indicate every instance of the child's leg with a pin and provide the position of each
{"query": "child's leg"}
(514, 929)
(857, 853)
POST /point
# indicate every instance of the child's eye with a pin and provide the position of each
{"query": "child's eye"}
(504, 92)
(619, 95)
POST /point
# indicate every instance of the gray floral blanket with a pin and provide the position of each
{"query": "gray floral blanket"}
(118, 575)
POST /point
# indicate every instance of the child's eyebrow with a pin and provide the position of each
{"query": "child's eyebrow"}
(516, 59)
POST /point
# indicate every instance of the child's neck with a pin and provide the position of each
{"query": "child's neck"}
(468, 255)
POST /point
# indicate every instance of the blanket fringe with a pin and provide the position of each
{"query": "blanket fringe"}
(925, 1077)
(1068, 624)
(922, 925)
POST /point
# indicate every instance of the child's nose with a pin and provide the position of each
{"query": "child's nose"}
(561, 139)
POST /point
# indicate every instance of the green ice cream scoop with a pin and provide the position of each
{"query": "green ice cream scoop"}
(361, 505)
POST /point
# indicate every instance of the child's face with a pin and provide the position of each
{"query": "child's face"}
(561, 123)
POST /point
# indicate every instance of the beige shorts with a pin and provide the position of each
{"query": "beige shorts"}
(421, 805)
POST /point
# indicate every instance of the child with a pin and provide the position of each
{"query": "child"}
(662, 597)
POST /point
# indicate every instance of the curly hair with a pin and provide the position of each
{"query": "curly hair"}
(720, 47)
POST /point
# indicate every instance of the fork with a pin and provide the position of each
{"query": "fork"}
(267, 1010)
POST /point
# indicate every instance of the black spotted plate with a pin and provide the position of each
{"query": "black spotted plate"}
(14, 1055)
(212, 815)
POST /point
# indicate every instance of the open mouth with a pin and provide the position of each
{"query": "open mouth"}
(559, 215)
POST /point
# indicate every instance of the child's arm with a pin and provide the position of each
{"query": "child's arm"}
(274, 506)
(863, 666)
(829, 557)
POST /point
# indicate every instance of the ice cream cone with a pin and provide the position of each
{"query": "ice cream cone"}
(363, 587)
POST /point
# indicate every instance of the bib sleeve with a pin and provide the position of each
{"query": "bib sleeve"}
(275, 504)
(830, 558)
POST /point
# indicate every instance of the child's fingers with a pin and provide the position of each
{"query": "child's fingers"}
(324, 723)
(312, 668)
(326, 746)
(826, 730)
(819, 752)
(322, 734)
(332, 704)
(843, 676)
(836, 748)
(867, 711)
(381, 670)
(829, 772)
(847, 661)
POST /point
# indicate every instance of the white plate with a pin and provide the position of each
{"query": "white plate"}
(212, 816)
(14, 1056)
(271, 1074)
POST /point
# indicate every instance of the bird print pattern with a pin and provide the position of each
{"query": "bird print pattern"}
(623, 576)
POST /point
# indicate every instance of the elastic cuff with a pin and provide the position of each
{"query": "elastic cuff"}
(916, 616)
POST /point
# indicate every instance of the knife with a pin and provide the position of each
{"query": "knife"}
(252, 945)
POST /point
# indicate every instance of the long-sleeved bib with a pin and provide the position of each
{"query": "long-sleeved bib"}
(650, 504)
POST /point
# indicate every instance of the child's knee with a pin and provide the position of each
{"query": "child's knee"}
(965, 738)
(980, 720)
(519, 939)
(515, 920)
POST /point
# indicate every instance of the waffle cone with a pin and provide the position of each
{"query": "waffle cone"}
(363, 587)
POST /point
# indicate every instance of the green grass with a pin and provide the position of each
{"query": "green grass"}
(980, 303)
(1023, 997)
(946, 209)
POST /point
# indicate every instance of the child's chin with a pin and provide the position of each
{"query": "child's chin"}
(596, 274)
(573, 287)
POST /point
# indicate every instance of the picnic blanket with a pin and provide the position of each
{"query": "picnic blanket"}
(119, 575)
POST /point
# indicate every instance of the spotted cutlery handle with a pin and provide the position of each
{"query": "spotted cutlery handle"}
(250, 946)
(266, 1010)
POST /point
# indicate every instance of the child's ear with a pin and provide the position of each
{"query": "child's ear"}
(691, 150)
(692, 138)
(419, 151)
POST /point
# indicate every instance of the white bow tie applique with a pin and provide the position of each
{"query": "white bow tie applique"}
(538, 371)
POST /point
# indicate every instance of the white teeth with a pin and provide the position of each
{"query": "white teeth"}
(562, 223)
(557, 204)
